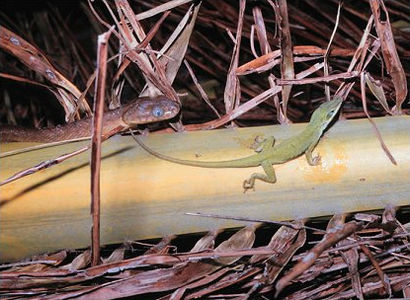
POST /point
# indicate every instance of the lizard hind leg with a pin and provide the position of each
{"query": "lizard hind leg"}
(261, 143)
(269, 177)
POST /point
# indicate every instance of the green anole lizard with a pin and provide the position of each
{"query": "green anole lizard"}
(267, 154)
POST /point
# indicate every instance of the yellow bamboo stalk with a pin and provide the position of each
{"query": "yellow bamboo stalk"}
(145, 197)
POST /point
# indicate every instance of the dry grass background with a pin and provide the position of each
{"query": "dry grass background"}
(223, 68)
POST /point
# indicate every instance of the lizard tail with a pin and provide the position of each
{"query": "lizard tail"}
(236, 163)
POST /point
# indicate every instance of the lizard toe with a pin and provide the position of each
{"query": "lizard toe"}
(317, 160)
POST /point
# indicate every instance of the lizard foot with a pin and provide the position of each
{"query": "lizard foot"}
(316, 160)
(313, 161)
(257, 145)
(269, 176)
(263, 144)
(248, 184)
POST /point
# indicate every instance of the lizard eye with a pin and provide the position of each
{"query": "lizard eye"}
(157, 111)
(330, 113)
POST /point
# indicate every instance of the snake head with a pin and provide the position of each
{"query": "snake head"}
(148, 110)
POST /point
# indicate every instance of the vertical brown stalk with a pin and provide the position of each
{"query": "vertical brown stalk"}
(232, 93)
(96, 145)
(389, 51)
(286, 66)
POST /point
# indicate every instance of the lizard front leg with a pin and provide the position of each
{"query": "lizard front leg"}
(313, 161)
(269, 177)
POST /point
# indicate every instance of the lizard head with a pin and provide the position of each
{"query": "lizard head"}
(325, 113)
(148, 110)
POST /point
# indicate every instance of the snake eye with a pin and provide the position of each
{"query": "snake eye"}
(157, 111)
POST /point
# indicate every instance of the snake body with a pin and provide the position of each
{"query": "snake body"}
(139, 111)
